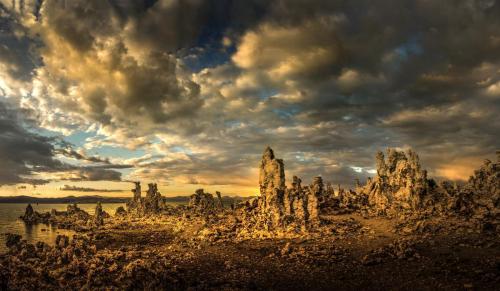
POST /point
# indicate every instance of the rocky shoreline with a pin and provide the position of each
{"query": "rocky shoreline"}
(401, 230)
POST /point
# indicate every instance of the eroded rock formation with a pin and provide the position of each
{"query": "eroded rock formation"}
(281, 206)
(486, 183)
(218, 202)
(479, 199)
(153, 198)
(120, 211)
(272, 186)
(205, 202)
(30, 216)
(98, 215)
(400, 183)
(314, 196)
(77, 213)
(151, 204)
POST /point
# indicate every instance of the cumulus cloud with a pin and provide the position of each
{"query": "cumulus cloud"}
(95, 71)
(293, 52)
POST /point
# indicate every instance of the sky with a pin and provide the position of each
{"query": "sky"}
(95, 94)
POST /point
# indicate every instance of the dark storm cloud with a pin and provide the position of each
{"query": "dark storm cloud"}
(16, 48)
(176, 25)
(356, 71)
(91, 174)
(23, 153)
(86, 189)
(396, 61)
(69, 152)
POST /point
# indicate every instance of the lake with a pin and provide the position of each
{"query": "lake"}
(10, 222)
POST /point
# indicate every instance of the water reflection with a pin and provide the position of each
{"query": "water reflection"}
(10, 222)
(28, 232)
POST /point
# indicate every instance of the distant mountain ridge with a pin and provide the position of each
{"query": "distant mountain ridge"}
(97, 198)
(67, 199)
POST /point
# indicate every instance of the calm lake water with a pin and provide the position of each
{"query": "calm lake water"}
(10, 222)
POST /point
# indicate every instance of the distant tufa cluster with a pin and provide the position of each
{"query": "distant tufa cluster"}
(73, 217)
(151, 204)
(200, 202)
(205, 202)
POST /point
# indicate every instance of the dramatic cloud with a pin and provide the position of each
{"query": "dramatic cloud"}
(191, 92)
(23, 154)
(91, 174)
(26, 156)
(80, 155)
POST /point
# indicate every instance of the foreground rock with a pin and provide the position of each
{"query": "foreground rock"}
(349, 252)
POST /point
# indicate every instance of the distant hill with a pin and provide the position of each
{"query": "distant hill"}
(96, 198)
(65, 200)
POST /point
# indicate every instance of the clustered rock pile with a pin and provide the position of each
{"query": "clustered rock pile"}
(154, 204)
(32, 217)
(74, 211)
(479, 199)
(151, 204)
(77, 264)
(205, 202)
(400, 188)
(73, 217)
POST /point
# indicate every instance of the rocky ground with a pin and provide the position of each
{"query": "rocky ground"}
(346, 252)
(401, 230)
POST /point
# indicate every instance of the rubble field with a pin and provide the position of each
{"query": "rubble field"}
(401, 230)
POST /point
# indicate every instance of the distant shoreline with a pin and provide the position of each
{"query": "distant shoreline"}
(67, 199)
(96, 198)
